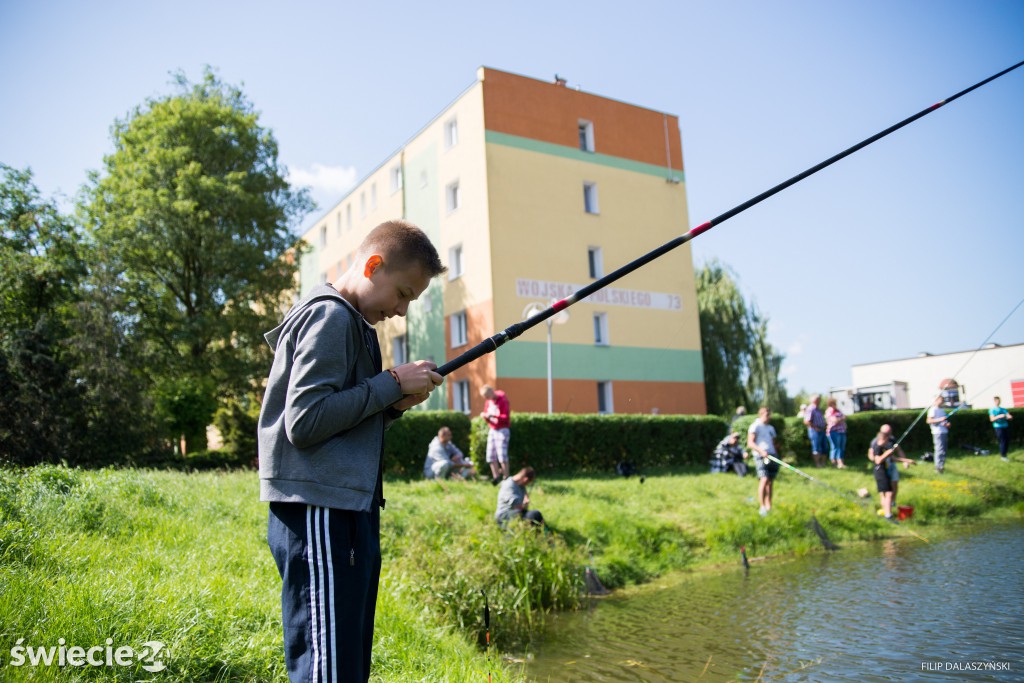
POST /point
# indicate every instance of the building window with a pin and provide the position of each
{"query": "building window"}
(453, 196)
(427, 301)
(460, 396)
(396, 179)
(323, 278)
(373, 197)
(323, 236)
(348, 216)
(595, 262)
(424, 178)
(586, 136)
(455, 262)
(451, 132)
(590, 198)
(459, 329)
(337, 225)
(604, 398)
(400, 349)
(362, 204)
(601, 329)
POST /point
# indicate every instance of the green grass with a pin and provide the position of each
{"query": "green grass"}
(135, 555)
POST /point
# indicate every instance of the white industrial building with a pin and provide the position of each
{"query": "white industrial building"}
(980, 374)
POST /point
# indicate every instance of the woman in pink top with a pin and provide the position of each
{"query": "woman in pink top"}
(836, 431)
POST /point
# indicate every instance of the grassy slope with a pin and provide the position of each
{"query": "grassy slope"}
(138, 555)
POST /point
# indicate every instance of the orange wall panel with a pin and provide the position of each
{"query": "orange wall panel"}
(479, 326)
(534, 109)
(580, 396)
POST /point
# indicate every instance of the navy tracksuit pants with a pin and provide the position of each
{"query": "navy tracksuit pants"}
(329, 561)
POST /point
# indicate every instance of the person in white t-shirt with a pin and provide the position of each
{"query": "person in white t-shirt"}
(761, 440)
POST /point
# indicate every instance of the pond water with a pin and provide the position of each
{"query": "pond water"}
(895, 610)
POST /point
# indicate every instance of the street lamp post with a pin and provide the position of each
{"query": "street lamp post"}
(560, 318)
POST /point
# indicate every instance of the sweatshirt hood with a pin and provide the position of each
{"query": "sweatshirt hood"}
(317, 294)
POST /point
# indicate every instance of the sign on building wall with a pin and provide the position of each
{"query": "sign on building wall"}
(609, 296)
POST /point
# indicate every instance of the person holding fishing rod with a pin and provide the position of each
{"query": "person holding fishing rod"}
(761, 440)
(882, 453)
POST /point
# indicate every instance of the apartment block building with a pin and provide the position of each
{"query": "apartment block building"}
(530, 190)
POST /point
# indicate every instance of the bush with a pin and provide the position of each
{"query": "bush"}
(967, 428)
(205, 461)
(407, 439)
(595, 443)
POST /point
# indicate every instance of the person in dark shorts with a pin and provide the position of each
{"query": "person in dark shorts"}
(883, 453)
(761, 440)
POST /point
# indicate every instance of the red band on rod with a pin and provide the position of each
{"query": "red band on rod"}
(559, 305)
(703, 227)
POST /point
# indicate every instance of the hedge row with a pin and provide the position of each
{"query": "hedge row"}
(968, 428)
(596, 443)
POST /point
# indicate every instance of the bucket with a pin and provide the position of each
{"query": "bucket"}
(904, 512)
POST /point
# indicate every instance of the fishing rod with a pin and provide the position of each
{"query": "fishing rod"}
(809, 477)
(512, 331)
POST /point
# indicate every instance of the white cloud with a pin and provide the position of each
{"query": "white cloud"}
(788, 370)
(795, 349)
(326, 183)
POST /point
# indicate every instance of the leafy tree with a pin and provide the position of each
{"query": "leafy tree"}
(193, 212)
(122, 426)
(39, 264)
(39, 274)
(725, 338)
(740, 366)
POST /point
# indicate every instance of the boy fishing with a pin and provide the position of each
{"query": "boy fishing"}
(321, 439)
(761, 440)
(883, 453)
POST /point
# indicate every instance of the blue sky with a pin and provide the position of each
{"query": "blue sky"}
(914, 244)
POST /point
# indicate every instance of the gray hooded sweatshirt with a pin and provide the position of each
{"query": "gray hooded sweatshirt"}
(321, 428)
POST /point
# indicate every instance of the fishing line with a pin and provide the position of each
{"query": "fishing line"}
(809, 477)
(512, 331)
(847, 494)
(953, 378)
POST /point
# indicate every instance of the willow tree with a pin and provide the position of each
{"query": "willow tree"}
(741, 368)
(194, 215)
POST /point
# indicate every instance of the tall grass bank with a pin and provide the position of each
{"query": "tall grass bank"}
(153, 575)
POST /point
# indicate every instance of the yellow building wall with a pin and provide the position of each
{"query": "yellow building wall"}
(540, 231)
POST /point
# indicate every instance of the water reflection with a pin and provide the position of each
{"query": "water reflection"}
(881, 612)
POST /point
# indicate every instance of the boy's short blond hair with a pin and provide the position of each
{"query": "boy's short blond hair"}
(401, 244)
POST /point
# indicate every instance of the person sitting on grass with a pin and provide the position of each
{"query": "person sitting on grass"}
(882, 453)
(444, 459)
(729, 456)
(514, 501)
